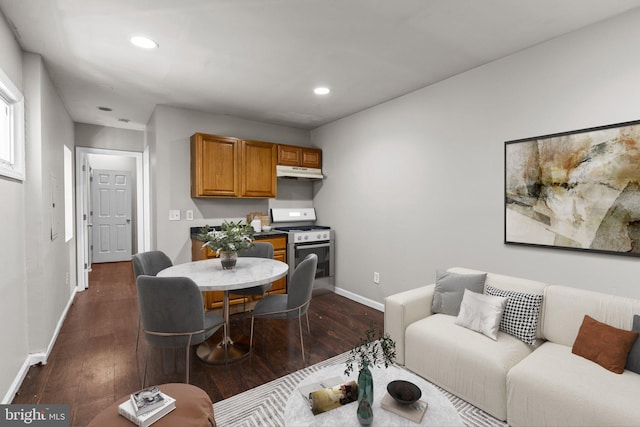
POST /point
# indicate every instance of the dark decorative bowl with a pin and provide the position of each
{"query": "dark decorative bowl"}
(404, 392)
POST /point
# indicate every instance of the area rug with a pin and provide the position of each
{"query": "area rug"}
(264, 405)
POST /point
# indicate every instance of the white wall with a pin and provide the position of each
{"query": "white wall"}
(13, 304)
(169, 130)
(417, 183)
(50, 264)
(38, 273)
(95, 136)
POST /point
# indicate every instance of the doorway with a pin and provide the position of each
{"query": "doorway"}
(139, 220)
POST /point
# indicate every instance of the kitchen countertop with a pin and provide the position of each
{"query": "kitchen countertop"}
(273, 233)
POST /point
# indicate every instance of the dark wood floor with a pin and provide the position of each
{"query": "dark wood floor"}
(94, 361)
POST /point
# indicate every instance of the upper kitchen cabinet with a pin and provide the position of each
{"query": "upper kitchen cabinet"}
(223, 166)
(258, 169)
(214, 166)
(290, 155)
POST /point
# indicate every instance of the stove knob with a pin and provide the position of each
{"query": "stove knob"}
(306, 237)
(319, 236)
(325, 236)
(298, 237)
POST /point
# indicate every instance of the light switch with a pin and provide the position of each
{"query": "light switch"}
(174, 215)
(189, 215)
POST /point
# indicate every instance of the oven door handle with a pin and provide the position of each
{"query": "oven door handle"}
(321, 245)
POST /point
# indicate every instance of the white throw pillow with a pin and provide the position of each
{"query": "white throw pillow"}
(481, 313)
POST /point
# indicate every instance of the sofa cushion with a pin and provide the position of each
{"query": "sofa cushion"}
(604, 344)
(462, 361)
(481, 313)
(450, 289)
(564, 309)
(554, 387)
(633, 361)
(520, 317)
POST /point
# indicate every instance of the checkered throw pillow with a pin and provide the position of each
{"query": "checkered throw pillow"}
(520, 317)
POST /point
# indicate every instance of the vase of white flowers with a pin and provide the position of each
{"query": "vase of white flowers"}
(226, 242)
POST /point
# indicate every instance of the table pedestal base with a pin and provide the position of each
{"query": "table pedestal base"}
(216, 353)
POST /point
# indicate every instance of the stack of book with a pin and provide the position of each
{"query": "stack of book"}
(147, 406)
(413, 412)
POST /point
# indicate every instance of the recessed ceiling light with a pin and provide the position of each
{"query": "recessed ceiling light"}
(105, 109)
(143, 42)
(321, 90)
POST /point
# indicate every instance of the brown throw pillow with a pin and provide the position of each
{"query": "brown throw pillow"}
(603, 344)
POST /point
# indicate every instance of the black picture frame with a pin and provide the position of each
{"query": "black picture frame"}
(577, 190)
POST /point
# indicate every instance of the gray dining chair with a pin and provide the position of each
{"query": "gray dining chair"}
(258, 250)
(294, 303)
(173, 315)
(149, 264)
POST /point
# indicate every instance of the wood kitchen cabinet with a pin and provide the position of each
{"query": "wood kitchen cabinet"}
(213, 299)
(258, 169)
(279, 253)
(291, 155)
(223, 166)
(215, 170)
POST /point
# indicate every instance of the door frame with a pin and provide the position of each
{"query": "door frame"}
(83, 193)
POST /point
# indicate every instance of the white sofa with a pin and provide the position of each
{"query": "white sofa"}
(525, 385)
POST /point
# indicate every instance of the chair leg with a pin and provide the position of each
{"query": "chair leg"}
(138, 335)
(306, 313)
(146, 363)
(187, 363)
(251, 337)
(301, 340)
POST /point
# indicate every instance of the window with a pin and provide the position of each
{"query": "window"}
(11, 129)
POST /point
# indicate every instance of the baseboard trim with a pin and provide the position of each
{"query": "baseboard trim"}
(17, 382)
(359, 298)
(40, 357)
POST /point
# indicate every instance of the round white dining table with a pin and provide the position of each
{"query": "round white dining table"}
(209, 276)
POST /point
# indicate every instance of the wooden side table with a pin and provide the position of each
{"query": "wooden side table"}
(193, 409)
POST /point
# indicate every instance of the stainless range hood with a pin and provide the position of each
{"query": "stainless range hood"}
(297, 172)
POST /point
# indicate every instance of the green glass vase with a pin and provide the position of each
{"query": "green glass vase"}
(365, 384)
(365, 413)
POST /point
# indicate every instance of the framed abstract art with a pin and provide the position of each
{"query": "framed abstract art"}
(576, 190)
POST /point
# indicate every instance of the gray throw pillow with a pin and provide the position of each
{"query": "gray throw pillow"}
(450, 290)
(633, 359)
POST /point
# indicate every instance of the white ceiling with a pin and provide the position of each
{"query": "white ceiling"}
(260, 59)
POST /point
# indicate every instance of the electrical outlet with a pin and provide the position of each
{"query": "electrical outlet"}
(376, 277)
(189, 215)
(174, 215)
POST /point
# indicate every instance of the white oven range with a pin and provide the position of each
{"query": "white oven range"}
(305, 237)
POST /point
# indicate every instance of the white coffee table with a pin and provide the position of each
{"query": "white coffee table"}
(440, 412)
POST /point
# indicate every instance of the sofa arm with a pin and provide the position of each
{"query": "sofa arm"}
(402, 309)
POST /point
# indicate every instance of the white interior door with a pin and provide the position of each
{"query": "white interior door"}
(111, 215)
